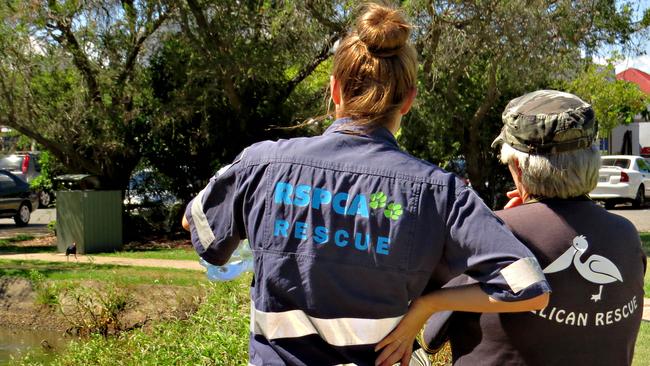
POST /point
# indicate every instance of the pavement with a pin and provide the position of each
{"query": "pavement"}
(37, 224)
(639, 217)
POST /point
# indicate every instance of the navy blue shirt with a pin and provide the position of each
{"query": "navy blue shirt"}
(346, 229)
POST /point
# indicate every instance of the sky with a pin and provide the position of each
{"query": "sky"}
(631, 58)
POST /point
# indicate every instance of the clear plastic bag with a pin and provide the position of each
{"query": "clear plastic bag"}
(241, 261)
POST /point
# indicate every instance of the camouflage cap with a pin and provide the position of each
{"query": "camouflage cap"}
(547, 122)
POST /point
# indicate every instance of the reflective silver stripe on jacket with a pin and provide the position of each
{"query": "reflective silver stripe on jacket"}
(337, 332)
(206, 236)
(522, 273)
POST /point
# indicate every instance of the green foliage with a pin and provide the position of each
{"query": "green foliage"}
(614, 101)
(95, 311)
(36, 277)
(217, 334)
(235, 74)
(476, 56)
(189, 84)
(46, 292)
(44, 181)
(72, 80)
(51, 227)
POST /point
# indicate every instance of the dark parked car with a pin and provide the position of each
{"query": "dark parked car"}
(16, 199)
(25, 165)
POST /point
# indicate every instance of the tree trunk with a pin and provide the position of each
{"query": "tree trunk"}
(473, 144)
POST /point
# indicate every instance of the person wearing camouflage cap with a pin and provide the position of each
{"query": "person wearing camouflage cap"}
(548, 122)
(592, 258)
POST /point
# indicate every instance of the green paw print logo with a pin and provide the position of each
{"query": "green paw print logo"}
(377, 200)
(393, 211)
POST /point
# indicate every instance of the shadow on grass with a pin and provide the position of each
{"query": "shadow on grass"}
(121, 275)
(18, 249)
(23, 268)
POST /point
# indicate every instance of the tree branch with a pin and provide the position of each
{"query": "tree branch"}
(321, 56)
(69, 42)
(474, 147)
(12, 120)
(213, 40)
(127, 72)
(334, 27)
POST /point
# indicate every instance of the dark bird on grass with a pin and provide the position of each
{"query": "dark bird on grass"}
(72, 249)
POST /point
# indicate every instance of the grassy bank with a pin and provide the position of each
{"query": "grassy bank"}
(217, 334)
(642, 349)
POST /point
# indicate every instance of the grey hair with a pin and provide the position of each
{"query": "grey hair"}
(561, 175)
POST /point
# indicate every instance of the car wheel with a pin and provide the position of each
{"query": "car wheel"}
(609, 205)
(44, 199)
(23, 215)
(639, 200)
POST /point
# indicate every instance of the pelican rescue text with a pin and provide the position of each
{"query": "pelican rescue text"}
(583, 319)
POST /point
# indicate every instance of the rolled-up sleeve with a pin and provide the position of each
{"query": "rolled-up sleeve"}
(480, 245)
(215, 216)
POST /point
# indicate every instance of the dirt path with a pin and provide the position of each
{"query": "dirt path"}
(59, 257)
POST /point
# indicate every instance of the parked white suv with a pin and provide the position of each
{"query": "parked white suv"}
(623, 178)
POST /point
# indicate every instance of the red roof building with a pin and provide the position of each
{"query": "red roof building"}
(636, 76)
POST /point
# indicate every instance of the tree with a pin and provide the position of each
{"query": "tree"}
(614, 101)
(71, 78)
(477, 55)
(234, 73)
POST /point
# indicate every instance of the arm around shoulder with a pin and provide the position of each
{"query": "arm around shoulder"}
(397, 346)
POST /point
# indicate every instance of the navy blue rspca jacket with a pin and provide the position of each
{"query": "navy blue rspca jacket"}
(346, 229)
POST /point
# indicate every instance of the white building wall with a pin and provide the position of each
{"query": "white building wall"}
(640, 137)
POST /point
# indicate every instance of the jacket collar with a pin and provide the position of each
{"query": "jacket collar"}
(343, 125)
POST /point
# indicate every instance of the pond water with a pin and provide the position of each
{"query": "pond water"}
(42, 344)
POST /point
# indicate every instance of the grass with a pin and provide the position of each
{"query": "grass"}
(217, 334)
(176, 254)
(642, 348)
(9, 245)
(645, 243)
(17, 238)
(120, 275)
(18, 249)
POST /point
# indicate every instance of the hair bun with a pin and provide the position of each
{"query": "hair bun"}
(383, 30)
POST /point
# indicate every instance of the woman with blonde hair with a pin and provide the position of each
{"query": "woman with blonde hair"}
(346, 229)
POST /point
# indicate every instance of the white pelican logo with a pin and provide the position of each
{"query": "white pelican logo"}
(596, 269)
